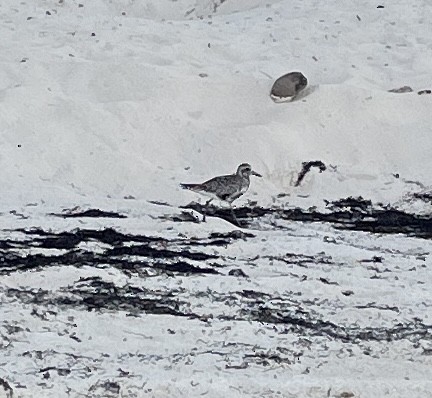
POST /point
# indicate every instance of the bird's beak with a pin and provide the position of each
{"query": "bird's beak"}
(254, 173)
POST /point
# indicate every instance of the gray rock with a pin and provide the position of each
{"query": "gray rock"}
(287, 87)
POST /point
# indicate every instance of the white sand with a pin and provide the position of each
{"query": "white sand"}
(178, 91)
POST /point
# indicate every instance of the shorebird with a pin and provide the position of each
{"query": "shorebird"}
(225, 188)
(286, 87)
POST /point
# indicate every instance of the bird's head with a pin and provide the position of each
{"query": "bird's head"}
(245, 170)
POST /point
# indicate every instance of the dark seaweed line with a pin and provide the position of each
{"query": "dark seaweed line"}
(163, 255)
(253, 306)
(346, 214)
(95, 294)
(413, 331)
(12, 262)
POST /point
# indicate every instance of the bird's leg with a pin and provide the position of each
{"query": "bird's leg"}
(233, 214)
(205, 209)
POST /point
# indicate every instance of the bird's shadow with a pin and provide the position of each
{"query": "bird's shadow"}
(218, 212)
(239, 217)
(305, 93)
(300, 96)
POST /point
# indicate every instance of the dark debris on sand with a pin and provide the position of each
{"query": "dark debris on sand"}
(140, 254)
(93, 213)
(355, 214)
(96, 294)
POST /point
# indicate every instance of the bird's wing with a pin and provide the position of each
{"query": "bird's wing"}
(222, 185)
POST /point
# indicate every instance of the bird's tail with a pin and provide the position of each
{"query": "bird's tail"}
(192, 187)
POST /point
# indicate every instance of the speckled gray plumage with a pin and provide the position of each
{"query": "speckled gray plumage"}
(228, 187)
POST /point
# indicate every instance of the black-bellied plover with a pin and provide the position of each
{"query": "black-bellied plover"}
(288, 86)
(225, 188)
